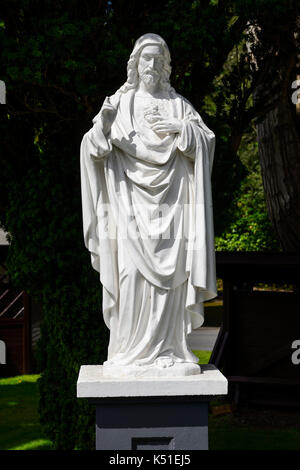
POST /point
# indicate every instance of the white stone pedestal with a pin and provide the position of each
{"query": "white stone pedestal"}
(151, 413)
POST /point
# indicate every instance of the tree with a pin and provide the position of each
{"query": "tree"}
(274, 47)
(249, 227)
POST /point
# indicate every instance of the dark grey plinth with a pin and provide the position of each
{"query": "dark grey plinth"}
(148, 423)
(132, 415)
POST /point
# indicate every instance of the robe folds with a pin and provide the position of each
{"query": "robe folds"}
(148, 224)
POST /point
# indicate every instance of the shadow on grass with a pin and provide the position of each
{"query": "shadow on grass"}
(255, 428)
(237, 437)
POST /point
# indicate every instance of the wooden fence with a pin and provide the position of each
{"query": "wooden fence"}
(261, 321)
(14, 329)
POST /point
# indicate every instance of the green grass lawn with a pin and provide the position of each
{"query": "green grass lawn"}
(244, 429)
(19, 420)
(203, 356)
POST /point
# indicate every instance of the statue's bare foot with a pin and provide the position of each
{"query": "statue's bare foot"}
(164, 362)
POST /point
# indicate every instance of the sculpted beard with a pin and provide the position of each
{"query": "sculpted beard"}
(150, 77)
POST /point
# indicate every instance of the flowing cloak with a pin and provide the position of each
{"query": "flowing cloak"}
(127, 175)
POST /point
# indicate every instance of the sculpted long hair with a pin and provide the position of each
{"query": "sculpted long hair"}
(132, 65)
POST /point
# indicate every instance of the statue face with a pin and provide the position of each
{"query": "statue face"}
(150, 65)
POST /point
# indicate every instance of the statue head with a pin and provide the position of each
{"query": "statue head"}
(149, 61)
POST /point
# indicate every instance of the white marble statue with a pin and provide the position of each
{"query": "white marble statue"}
(147, 216)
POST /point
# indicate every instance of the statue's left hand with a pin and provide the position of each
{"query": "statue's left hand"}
(167, 126)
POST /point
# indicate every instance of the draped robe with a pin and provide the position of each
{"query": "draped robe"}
(148, 224)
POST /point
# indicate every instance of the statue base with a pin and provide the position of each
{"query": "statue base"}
(158, 369)
(141, 413)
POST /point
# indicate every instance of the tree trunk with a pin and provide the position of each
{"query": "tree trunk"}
(279, 151)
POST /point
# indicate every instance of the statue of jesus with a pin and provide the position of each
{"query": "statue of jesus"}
(147, 217)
